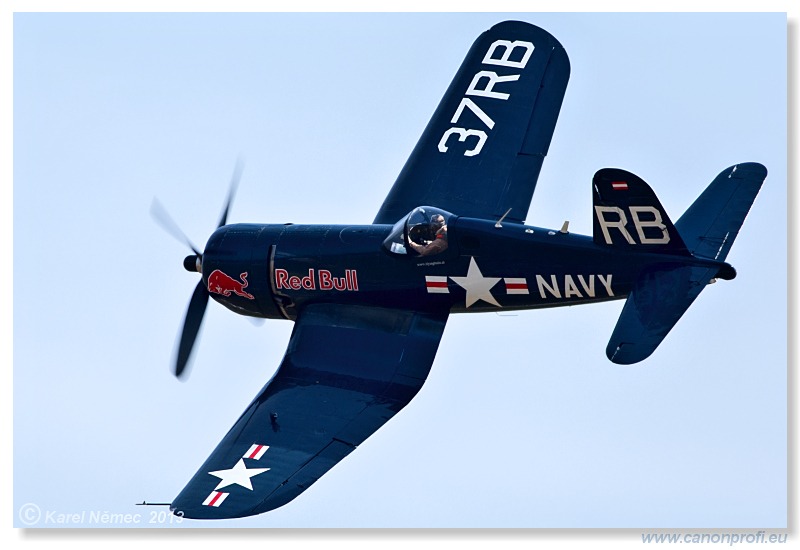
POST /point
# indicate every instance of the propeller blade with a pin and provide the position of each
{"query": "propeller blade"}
(199, 300)
(159, 213)
(191, 326)
(237, 175)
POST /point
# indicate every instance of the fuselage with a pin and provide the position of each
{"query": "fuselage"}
(274, 271)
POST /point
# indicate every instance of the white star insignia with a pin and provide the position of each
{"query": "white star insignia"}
(477, 286)
(239, 475)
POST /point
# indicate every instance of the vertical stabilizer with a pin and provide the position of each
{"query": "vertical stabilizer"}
(629, 216)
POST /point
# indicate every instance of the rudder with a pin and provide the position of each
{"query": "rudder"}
(628, 215)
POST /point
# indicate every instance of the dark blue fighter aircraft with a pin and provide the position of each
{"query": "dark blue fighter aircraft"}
(370, 302)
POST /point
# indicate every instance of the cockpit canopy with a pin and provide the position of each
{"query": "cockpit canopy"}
(423, 232)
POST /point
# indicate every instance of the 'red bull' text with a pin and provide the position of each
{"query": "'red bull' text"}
(319, 279)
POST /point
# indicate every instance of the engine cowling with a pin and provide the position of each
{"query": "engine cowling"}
(236, 268)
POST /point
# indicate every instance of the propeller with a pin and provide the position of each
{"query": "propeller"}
(193, 263)
(166, 222)
(191, 326)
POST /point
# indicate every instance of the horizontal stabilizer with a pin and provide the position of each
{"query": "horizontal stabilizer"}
(659, 298)
(711, 223)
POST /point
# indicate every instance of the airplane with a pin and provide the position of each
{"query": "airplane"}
(370, 302)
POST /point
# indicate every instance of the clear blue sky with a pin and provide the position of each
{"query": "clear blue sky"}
(523, 421)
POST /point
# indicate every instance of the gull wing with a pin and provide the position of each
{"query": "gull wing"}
(347, 371)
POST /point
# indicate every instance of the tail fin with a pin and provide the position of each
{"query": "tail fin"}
(663, 293)
(712, 222)
(627, 214)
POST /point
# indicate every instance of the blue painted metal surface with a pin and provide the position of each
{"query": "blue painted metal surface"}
(370, 302)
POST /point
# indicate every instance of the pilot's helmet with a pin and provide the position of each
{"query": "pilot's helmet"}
(437, 221)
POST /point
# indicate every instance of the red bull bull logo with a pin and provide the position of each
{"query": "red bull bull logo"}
(220, 283)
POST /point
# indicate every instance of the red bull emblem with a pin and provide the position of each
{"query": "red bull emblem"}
(220, 283)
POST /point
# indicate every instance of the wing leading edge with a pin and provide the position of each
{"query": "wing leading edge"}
(482, 150)
(347, 371)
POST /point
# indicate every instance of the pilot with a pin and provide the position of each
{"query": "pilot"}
(439, 242)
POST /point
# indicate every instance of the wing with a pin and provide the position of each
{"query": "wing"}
(482, 150)
(347, 371)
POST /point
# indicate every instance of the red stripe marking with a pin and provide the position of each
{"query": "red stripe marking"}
(516, 286)
(433, 284)
(215, 499)
(255, 452)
